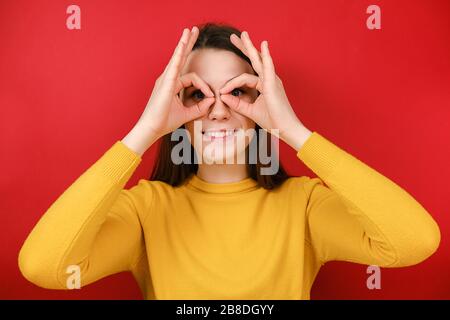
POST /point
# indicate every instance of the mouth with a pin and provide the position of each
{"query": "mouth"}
(222, 134)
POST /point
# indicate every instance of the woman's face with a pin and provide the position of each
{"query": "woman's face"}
(217, 131)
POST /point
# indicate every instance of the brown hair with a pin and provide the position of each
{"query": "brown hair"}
(216, 36)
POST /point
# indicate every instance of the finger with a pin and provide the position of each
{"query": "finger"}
(268, 66)
(198, 110)
(190, 44)
(253, 54)
(192, 79)
(238, 105)
(177, 52)
(234, 38)
(245, 79)
(182, 39)
(174, 64)
(239, 44)
(193, 38)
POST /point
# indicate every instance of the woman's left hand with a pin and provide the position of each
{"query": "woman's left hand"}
(271, 110)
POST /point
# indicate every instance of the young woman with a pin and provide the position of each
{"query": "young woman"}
(212, 230)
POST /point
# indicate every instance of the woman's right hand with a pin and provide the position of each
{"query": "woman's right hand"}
(165, 111)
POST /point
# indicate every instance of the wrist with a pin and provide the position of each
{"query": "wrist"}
(146, 130)
(296, 135)
(140, 138)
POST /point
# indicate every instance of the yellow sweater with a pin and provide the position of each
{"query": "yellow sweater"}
(227, 241)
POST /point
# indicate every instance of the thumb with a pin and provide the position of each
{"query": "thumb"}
(199, 109)
(238, 105)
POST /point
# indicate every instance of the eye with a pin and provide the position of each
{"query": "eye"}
(236, 91)
(197, 94)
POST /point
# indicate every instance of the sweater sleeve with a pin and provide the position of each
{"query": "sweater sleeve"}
(356, 214)
(94, 225)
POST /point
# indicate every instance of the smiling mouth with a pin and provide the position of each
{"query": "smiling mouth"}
(219, 134)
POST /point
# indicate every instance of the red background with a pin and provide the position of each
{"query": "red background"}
(67, 95)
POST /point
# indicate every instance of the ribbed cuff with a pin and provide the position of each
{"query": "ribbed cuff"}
(119, 161)
(320, 155)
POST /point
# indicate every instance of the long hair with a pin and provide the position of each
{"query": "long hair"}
(216, 36)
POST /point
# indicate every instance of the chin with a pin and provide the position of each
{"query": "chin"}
(223, 157)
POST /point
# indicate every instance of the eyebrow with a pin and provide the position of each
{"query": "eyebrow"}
(188, 88)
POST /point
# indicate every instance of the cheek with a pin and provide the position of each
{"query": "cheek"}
(190, 128)
(188, 102)
(247, 98)
(250, 123)
(251, 95)
(247, 123)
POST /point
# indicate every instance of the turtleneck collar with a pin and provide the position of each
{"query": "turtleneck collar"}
(244, 185)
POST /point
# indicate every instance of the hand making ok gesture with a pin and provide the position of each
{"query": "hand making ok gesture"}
(271, 110)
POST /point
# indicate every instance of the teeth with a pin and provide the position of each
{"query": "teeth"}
(219, 134)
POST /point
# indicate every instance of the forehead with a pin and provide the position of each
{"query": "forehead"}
(215, 66)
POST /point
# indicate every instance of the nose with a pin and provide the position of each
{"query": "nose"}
(219, 110)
